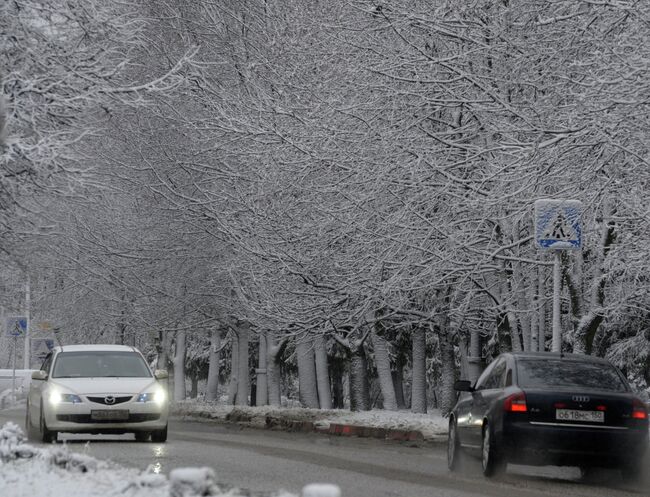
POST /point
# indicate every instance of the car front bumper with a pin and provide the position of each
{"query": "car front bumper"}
(79, 417)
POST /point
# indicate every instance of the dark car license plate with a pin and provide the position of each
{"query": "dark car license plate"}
(109, 415)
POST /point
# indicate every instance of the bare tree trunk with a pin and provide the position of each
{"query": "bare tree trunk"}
(534, 320)
(475, 355)
(212, 389)
(179, 366)
(243, 376)
(234, 368)
(164, 350)
(419, 380)
(463, 351)
(541, 297)
(273, 370)
(525, 318)
(307, 372)
(194, 386)
(398, 382)
(506, 305)
(337, 372)
(589, 322)
(382, 361)
(359, 392)
(322, 373)
(447, 392)
(261, 392)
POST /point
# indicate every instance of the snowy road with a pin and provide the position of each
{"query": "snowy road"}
(267, 460)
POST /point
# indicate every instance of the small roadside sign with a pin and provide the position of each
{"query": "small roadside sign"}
(16, 326)
(558, 224)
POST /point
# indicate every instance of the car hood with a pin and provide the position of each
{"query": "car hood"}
(89, 386)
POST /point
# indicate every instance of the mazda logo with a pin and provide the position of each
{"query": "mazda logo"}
(109, 400)
(580, 398)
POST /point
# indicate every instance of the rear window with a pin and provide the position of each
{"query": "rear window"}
(542, 373)
(100, 364)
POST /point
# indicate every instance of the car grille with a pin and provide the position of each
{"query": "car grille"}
(116, 400)
(85, 418)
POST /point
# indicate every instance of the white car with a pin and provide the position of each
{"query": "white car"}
(97, 389)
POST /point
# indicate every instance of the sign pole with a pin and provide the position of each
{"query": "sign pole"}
(558, 228)
(13, 376)
(557, 288)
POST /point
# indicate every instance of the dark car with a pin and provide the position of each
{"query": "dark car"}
(547, 408)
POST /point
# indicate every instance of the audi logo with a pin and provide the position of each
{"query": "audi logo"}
(109, 400)
(580, 398)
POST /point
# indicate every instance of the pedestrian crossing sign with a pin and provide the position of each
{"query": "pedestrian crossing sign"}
(16, 326)
(558, 224)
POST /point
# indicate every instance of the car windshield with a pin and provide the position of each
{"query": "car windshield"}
(100, 364)
(540, 373)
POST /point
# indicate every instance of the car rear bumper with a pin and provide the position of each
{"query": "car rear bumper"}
(548, 443)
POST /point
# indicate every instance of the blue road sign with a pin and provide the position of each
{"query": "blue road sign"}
(558, 224)
(16, 326)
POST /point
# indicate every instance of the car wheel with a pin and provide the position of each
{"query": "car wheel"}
(30, 429)
(588, 473)
(492, 462)
(142, 436)
(47, 436)
(453, 447)
(159, 436)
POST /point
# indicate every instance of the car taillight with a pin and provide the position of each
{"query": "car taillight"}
(515, 403)
(639, 410)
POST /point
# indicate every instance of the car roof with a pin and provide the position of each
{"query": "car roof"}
(95, 348)
(558, 355)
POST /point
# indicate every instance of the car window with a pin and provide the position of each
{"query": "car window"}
(47, 363)
(100, 364)
(508, 378)
(496, 378)
(484, 376)
(541, 373)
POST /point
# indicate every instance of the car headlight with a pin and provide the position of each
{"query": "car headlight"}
(59, 398)
(159, 397)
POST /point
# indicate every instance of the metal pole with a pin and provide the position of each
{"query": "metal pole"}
(28, 303)
(13, 376)
(557, 286)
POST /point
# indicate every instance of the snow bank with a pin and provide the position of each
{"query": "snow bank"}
(431, 425)
(28, 471)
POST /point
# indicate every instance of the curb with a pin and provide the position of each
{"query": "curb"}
(396, 435)
(274, 422)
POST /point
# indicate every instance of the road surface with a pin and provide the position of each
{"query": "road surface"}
(260, 460)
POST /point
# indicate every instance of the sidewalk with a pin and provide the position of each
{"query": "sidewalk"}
(390, 425)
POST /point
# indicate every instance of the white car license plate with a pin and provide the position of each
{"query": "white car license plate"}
(575, 415)
(110, 415)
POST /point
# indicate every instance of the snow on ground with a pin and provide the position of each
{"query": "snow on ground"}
(10, 401)
(432, 425)
(28, 471)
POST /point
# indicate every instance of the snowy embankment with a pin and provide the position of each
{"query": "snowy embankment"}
(28, 471)
(432, 426)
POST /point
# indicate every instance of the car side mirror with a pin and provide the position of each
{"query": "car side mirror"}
(463, 386)
(161, 374)
(39, 375)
